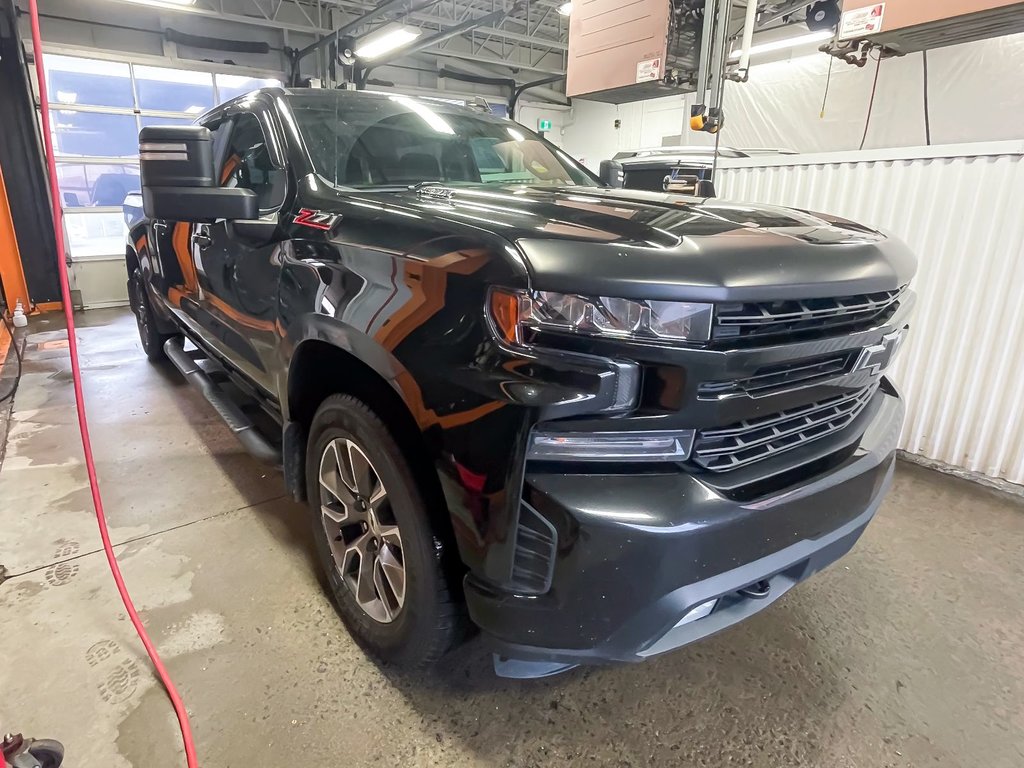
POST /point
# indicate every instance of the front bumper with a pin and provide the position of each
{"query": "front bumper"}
(637, 552)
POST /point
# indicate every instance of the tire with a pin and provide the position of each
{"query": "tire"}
(151, 338)
(384, 505)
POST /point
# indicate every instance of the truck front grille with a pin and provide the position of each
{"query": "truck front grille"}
(758, 319)
(784, 377)
(726, 448)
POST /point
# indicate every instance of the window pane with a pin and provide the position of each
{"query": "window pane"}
(151, 120)
(174, 90)
(367, 140)
(70, 80)
(84, 185)
(95, 134)
(95, 234)
(229, 86)
(248, 164)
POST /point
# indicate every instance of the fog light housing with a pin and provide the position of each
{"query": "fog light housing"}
(662, 445)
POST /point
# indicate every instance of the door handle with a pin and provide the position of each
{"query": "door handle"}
(202, 239)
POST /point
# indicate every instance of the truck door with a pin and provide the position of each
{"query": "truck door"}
(238, 277)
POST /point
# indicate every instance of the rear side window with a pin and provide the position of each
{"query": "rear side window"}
(247, 164)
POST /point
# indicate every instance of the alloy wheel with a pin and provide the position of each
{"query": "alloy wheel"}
(365, 542)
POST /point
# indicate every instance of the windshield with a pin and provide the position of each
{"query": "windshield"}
(379, 140)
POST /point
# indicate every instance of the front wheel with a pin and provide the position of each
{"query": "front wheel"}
(374, 538)
(151, 338)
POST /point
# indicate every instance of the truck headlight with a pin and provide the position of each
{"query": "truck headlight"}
(515, 312)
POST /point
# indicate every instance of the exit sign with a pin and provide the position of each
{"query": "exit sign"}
(543, 124)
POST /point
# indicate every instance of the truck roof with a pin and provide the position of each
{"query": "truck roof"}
(481, 105)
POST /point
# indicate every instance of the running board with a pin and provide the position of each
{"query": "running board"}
(233, 416)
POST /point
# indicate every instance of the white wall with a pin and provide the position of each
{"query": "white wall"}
(529, 113)
(590, 134)
(974, 91)
(958, 208)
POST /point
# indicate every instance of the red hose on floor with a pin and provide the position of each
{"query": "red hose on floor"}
(83, 422)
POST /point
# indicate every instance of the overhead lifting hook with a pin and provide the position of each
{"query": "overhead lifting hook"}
(708, 116)
(704, 118)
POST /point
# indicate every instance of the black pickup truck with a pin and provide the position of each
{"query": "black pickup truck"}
(597, 424)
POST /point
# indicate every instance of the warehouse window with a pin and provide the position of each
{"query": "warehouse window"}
(174, 90)
(83, 185)
(82, 134)
(98, 108)
(229, 86)
(88, 81)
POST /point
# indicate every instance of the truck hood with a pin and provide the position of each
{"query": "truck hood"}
(632, 244)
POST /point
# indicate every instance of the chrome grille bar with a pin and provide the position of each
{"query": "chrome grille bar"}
(773, 379)
(726, 448)
(738, 320)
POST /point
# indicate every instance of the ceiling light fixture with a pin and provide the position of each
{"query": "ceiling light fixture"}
(391, 39)
(565, 9)
(786, 42)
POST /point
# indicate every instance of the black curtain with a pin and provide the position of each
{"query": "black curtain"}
(21, 158)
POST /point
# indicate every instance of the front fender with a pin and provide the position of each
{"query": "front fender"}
(315, 327)
(417, 320)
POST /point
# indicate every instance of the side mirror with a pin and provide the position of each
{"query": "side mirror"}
(611, 173)
(179, 181)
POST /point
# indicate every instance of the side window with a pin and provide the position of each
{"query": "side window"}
(247, 164)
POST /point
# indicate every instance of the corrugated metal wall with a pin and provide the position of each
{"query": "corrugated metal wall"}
(962, 211)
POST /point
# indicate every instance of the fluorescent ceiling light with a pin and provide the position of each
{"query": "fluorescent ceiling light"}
(67, 97)
(391, 39)
(565, 9)
(786, 42)
(195, 109)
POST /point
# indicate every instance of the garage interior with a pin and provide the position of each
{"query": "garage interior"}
(904, 653)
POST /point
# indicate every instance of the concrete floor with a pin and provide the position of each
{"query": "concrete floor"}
(908, 653)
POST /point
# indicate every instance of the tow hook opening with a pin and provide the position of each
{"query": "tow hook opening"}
(756, 591)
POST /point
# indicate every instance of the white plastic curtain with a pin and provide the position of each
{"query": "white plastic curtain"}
(974, 95)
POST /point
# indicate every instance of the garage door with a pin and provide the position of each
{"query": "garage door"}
(98, 109)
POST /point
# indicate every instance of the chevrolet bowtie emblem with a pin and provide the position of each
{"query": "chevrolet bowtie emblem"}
(876, 358)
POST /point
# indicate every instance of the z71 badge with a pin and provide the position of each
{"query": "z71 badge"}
(308, 217)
